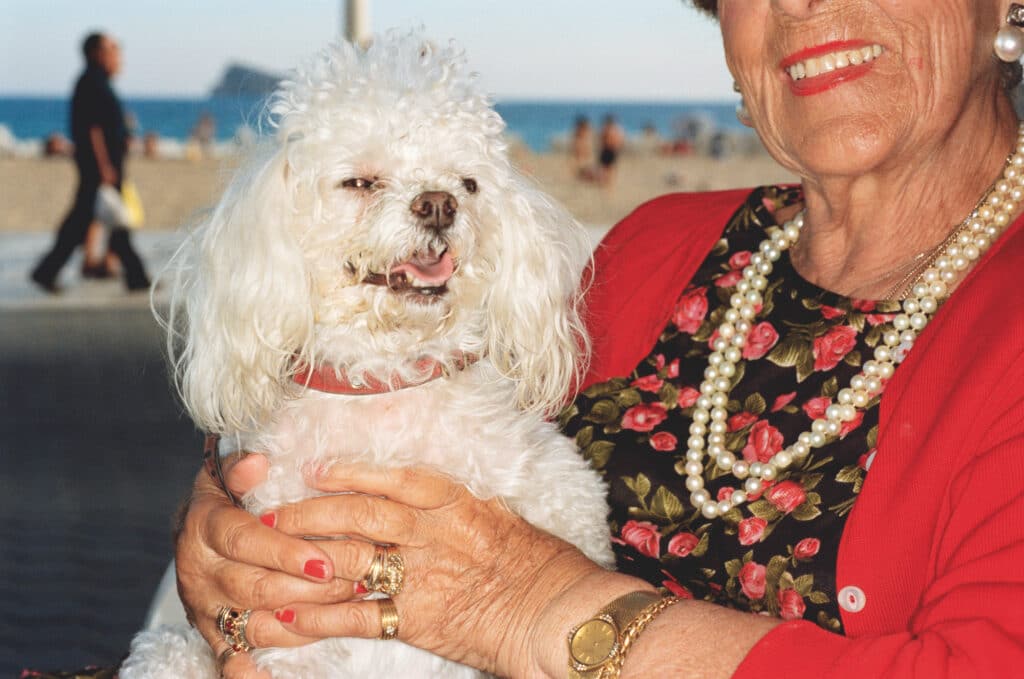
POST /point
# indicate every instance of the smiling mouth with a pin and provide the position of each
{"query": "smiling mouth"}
(801, 67)
(425, 275)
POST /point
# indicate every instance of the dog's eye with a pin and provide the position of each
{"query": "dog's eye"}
(470, 184)
(358, 183)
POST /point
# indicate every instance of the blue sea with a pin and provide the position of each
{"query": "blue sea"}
(536, 123)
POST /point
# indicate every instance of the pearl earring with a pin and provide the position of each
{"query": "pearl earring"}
(1009, 43)
(742, 113)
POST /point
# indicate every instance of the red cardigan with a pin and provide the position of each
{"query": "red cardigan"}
(931, 563)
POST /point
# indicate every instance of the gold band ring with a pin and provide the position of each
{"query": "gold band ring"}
(231, 624)
(222, 659)
(387, 572)
(388, 618)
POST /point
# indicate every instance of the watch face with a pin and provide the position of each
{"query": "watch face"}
(593, 642)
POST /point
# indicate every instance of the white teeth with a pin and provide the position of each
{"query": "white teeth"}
(828, 63)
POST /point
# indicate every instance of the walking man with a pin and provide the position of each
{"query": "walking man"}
(100, 134)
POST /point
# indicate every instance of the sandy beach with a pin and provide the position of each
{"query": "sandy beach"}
(38, 191)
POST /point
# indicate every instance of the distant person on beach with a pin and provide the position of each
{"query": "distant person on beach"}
(202, 136)
(612, 141)
(100, 134)
(583, 149)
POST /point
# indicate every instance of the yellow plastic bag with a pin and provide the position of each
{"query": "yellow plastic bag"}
(133, 205)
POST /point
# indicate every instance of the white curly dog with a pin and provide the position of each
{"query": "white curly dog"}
(385, 248)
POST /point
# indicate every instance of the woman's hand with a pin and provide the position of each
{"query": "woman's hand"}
(227, 557)
(482, 586)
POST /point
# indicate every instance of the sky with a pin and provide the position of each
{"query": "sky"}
(524, 49)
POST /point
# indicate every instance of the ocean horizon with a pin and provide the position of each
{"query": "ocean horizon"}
(538, 123)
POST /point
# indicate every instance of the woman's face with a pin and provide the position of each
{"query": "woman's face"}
(842, 87)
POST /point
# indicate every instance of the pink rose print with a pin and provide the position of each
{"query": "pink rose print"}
(783, 401)
(663, 441)
(763, 441)
(752, 580)
(687, 397)
(740, 420)
(751, 530)
(677, 589)
(815, 408)
(659, 361)
(878, 319)
(725, 493)
(740, 259)
(642, 536)
(644, 417)
(691, 309)
(673, 369)
(833, 346)
(830, 312)
(863, 305)
(651, 383)
(806, 548)
(727, 280)
(763, 337)
(786, 496)
(791, 604)
(682, 544)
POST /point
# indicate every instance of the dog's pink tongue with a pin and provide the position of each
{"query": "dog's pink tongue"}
(428, 267)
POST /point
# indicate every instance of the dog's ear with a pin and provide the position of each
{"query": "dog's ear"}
(241, 309)
(536, 333)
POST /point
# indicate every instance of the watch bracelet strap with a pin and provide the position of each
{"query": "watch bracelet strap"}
(630, 613)
(614, 667)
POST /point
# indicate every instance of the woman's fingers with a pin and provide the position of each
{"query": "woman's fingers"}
(267, 590)
(236, 535)
(355, 515)
(354, 619)
(237, 665)
(244, 471)
(420, 488)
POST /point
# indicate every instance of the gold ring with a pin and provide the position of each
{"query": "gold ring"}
(231, 624)
(387, 572)
(388, 618)
(222, 659)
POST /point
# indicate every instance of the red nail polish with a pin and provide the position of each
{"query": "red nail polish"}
(269, 519)
(287, 615)
(361, 588)
(316, 568)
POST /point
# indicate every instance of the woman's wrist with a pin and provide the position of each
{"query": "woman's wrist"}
(579, 599)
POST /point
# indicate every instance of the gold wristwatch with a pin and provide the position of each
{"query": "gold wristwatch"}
(598, 642)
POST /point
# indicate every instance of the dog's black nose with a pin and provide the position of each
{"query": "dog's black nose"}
(435, 209)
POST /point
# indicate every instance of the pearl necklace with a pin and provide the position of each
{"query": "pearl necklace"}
(707, 431)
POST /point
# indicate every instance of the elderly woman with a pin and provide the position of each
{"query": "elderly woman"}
(806, 400)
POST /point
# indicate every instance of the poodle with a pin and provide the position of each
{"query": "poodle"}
(381, 285)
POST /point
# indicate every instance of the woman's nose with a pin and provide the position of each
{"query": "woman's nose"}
(797, 8)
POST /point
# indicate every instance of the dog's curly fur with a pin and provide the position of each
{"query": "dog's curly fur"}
(306, 261)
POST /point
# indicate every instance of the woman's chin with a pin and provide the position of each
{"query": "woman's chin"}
(844, 150)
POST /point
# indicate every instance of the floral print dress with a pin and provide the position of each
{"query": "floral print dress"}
(777, 553)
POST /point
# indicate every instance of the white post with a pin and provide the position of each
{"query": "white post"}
(357, 21)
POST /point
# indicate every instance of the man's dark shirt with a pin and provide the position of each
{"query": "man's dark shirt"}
(94, 104)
